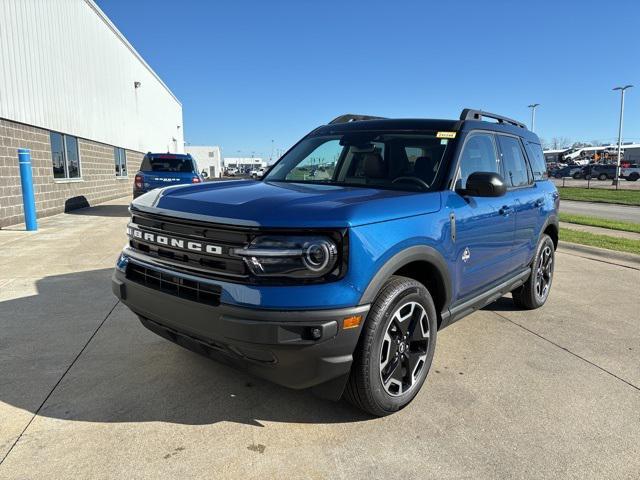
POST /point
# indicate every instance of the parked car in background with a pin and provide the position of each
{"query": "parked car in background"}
(340, 282)
(258, 173)
(159, 170)
(552, 167)
(631, 173)
(601, 172)
(231, 172)
(567, 171)
(583, 155)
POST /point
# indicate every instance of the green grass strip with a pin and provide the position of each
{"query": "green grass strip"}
(600, 222)
(601, 241)
(600, 195)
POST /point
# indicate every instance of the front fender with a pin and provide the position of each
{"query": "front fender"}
(416, 253)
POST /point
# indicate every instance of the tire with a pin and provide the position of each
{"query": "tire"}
(633, 177)
(576, 176)
(400, 300)
(587, 177)
(533, 295)
(602, 176)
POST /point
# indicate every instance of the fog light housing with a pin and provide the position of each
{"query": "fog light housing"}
(316, 333)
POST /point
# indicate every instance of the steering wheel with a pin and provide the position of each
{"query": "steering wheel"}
(417, 180)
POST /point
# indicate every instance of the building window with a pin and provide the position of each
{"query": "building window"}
(120, 157)
(64, 156)
(211, 155)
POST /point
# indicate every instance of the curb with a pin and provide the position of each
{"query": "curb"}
(602, 253)
(610, 232)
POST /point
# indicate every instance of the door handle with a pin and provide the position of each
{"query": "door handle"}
(539, 202)
(506, 211)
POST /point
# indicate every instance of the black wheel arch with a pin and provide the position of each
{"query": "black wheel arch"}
(551, 227)
(419, 262)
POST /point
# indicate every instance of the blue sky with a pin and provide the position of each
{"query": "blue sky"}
(251, 72)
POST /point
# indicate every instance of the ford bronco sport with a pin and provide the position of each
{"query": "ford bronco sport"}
(337, 269)
(163, 169)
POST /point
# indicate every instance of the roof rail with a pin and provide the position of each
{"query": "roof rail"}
(470, 114)
(350, 117)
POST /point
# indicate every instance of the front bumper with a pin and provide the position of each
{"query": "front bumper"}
(280, 346)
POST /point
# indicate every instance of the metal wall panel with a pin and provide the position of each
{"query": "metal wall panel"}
(65, 67)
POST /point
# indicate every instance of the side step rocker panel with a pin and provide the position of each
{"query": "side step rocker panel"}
(469, 306)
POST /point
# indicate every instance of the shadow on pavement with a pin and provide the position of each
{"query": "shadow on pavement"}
(503, 304)
(126, 373)
(102, 211)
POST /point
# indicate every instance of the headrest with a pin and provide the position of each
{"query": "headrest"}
(374, 167)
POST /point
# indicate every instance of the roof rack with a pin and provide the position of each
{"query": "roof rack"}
(350, 117)
(470, 114)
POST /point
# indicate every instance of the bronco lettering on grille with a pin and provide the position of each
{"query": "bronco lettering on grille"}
(174, 242)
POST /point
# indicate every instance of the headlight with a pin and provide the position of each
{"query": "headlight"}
(296, 256)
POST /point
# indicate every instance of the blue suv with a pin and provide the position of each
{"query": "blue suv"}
(336, 270)
(159, 170)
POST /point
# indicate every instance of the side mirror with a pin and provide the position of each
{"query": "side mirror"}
(484, 184)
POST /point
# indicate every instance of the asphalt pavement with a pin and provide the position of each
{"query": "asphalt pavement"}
(627, 213)
(87, 392)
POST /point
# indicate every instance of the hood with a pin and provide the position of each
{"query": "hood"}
(277, 204)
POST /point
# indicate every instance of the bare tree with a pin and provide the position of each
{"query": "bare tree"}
(559, 142)
(580, 145)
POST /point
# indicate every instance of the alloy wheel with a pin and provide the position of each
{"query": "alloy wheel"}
(544, 273)
(404, 348)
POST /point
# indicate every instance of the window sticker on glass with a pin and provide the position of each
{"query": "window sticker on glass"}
(446, 135)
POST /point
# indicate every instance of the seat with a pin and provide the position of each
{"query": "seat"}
(374, 166)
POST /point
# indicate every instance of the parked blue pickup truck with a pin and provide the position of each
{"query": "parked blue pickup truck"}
(336, 270)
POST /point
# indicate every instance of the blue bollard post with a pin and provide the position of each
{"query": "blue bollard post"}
(28, 198)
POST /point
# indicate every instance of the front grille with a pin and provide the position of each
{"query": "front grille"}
(226, 265)
(174, 285)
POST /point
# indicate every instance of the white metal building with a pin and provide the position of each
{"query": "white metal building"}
(66, 67)
(208, 158)
(244, 163)
(75, 92)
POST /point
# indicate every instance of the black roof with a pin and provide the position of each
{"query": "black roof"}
(409, 124)
(469, 119)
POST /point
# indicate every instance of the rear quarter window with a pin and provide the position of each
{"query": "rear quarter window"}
(536, 159)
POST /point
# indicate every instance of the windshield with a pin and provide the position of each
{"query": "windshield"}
(403, 161)
(167, 163)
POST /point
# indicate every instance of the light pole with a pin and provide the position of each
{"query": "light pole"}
(533, 115)
(622, 89)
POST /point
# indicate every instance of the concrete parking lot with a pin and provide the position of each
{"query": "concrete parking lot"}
(87, 392)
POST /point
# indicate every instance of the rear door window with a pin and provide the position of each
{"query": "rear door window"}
(514, 164)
